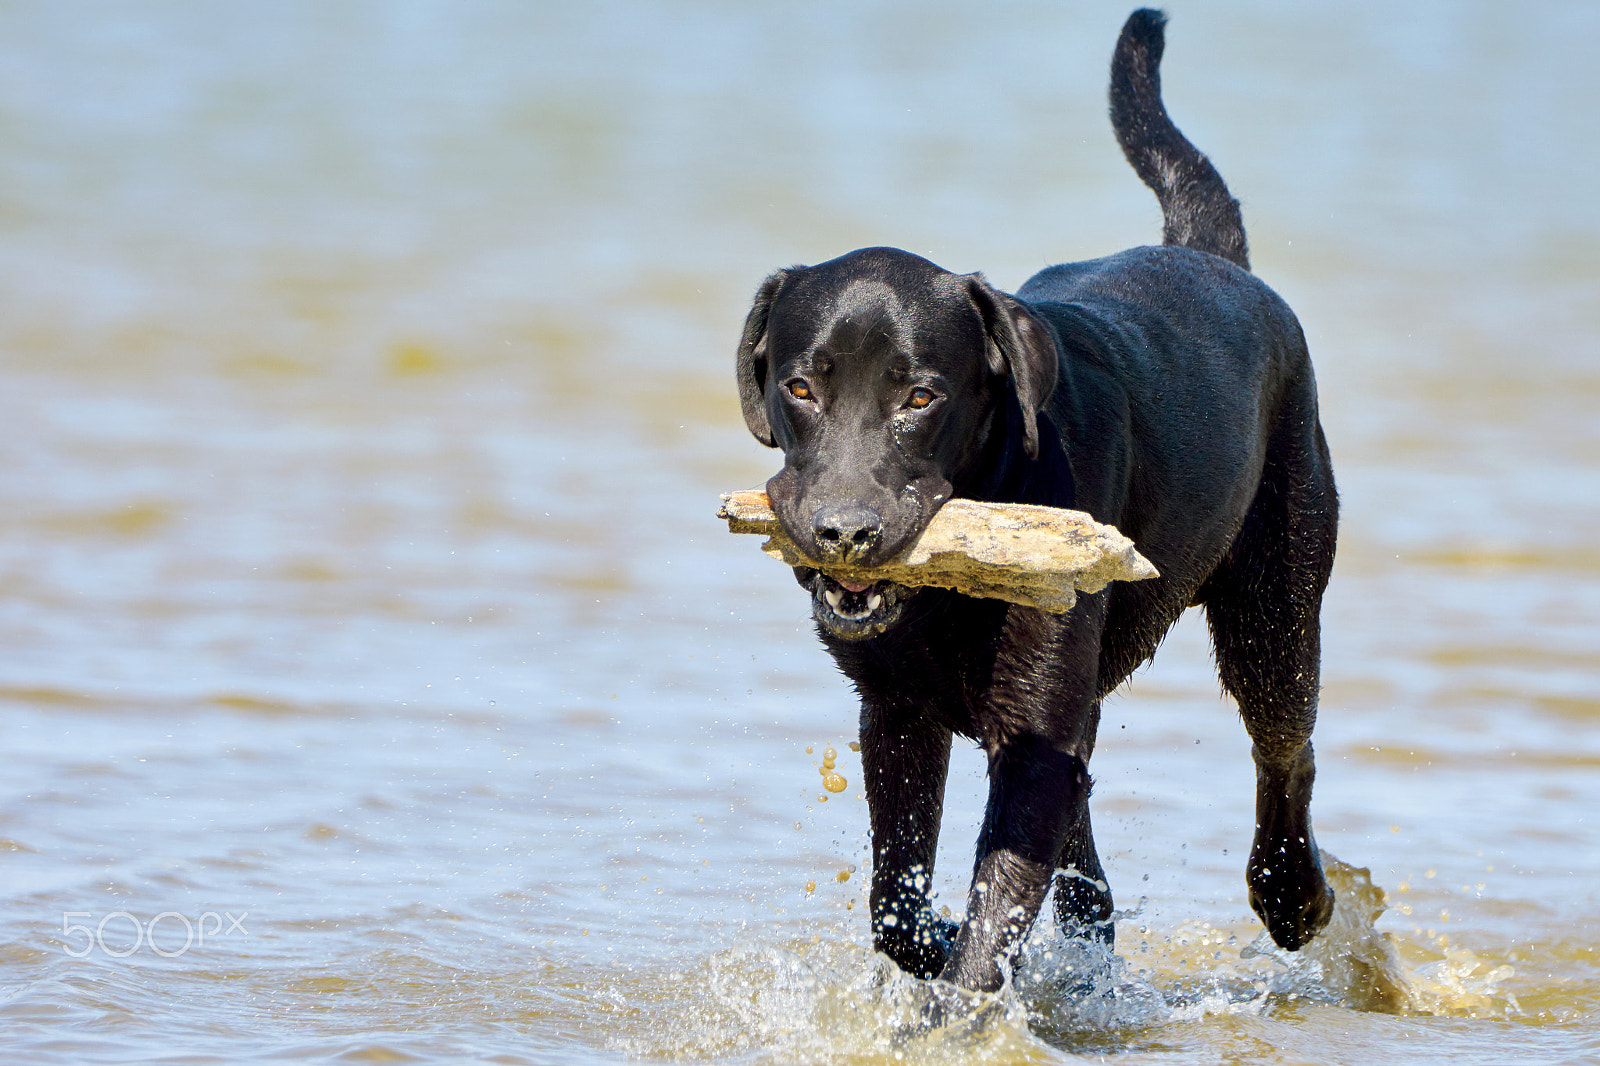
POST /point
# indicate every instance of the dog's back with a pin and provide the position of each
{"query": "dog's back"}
(1199, 211)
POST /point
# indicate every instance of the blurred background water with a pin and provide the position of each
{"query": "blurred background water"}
(377, 685)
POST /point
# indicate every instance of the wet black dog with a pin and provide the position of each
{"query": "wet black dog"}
(1165, 390)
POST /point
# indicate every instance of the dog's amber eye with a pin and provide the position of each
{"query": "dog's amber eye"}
(799, 389)
(919, 398)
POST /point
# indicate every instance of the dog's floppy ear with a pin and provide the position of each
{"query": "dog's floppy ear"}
(1023, 347)
(753, 366)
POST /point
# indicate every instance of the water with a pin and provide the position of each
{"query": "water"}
(377, 685)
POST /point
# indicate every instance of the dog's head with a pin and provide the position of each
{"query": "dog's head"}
(879, 375)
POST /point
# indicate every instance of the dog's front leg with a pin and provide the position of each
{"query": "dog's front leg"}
(904, 758)
(1034, 791)
(1038, 727)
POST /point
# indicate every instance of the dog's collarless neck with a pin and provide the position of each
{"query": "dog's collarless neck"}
(1007, 474)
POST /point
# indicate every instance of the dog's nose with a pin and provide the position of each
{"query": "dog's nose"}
(845, 530)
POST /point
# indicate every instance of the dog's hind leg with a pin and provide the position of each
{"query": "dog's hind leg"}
(1083, 898)
(1263, 606)
(905, 759)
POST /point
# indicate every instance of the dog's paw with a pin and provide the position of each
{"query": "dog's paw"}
(920, 950)
(1083, 906)
(959, 1012)
(1291, 896)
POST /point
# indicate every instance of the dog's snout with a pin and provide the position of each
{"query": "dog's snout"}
(845, 531)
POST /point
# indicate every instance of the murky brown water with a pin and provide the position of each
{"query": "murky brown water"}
(376, 684)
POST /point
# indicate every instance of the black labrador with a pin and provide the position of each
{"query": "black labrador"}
(1164, 390)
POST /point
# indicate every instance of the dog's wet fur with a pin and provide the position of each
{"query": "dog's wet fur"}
(1164, 390)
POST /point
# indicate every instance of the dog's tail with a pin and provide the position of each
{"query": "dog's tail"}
(1199, 211)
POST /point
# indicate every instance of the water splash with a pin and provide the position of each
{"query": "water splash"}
(1353, 964)
(1350, 962)
(828, 1002)
(834, 1000)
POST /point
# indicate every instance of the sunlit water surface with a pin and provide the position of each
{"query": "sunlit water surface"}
(376, 684)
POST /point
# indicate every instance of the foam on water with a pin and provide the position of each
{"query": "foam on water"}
(1355, 964)
(834, 1000)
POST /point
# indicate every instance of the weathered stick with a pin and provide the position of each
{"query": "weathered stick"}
(1036, 556)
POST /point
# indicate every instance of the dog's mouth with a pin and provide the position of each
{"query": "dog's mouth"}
(853, 610)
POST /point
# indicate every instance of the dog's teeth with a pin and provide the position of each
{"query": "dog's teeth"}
(874, 601)
(833, 596)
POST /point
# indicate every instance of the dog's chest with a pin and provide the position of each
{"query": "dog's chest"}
(942, 663)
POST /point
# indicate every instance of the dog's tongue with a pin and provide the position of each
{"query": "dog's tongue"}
(853, 586)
